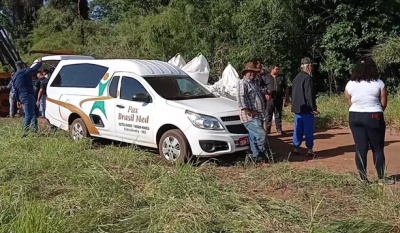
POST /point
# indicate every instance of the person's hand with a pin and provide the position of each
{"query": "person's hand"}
(286, 103)
(40, 59)
(316, 112)
(37, 103)
(249, 112)
(267, 97)
(18, 105)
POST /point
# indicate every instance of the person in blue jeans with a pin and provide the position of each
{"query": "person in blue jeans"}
(304, 107)
(25, 94)
(41, 93)
(252, 107)
(12, 100)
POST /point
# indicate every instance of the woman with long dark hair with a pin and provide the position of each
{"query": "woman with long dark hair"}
(367, 96)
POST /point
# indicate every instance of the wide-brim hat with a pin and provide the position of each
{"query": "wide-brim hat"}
(250, 67)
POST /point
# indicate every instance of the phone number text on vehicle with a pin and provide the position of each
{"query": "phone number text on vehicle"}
(134, 126)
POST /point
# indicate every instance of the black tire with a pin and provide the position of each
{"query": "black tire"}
(78, 130)
(174, 136)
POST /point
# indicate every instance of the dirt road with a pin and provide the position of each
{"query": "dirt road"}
(335, 151)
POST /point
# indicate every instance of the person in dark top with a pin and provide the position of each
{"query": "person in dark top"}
(304, 107)
(276, 88)
(25, 94)
(42, 95)
(37, 83)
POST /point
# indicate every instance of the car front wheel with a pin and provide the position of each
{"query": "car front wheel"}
(173, 147)
(78, 130)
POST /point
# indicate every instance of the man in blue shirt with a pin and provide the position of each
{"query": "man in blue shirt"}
(25, 94)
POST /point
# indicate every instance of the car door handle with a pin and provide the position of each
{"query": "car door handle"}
(120, 106)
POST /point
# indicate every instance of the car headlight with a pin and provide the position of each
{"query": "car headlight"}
(204, 122)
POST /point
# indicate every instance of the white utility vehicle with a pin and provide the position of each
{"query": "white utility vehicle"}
(147, 103)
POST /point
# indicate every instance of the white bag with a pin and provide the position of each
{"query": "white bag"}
(228, 84)
(198, 69)
(177, 61)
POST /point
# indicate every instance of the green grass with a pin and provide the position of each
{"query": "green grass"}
(52, 184)
(335, 112)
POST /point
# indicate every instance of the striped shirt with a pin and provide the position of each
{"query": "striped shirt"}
(250, 97)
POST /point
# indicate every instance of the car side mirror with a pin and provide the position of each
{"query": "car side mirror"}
(142, 97)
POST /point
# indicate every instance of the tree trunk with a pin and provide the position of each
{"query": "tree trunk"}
(81, 23)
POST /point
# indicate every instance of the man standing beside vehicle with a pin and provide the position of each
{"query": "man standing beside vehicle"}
(12, 100)
(276, 88)
(304, 107)
(25, 94)
(252, 105)
(41, 96)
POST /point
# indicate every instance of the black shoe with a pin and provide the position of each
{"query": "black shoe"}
(311, 154)
(296, 151)
(281, 133)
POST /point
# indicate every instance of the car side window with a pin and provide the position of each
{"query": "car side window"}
(131, 87)
(79, 76)
(113, 90)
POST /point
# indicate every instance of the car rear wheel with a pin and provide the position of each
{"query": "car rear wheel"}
(78, 130)
(173, 147)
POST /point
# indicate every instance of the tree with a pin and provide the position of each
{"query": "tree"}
(387, 53)
(81, 7)
(18, 16)
(342, 31)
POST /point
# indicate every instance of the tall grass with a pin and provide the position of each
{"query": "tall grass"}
(335, 112)
(52, 184)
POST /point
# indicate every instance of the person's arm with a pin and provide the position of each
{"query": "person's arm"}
(309, 94)
(267, 83)
(39, 96)
(262, 85)
(384, 96)
(286, 89)
(241, 98)
(348, 97)
(287, 95)
(35, 68)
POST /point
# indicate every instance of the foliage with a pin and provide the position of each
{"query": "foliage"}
(387, 53)
(81, 7)
(334, 33)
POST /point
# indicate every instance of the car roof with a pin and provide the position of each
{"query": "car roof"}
(140, 67)
(66, 57)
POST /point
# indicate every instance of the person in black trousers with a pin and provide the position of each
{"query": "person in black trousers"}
(367, 97)
(277, 90)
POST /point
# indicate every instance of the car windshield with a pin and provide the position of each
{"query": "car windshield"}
(178, 88)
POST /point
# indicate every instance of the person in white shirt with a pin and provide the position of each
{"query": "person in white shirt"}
(367, 97)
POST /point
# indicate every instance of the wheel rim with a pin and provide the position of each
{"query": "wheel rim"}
(171, 148)
(77, 132)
